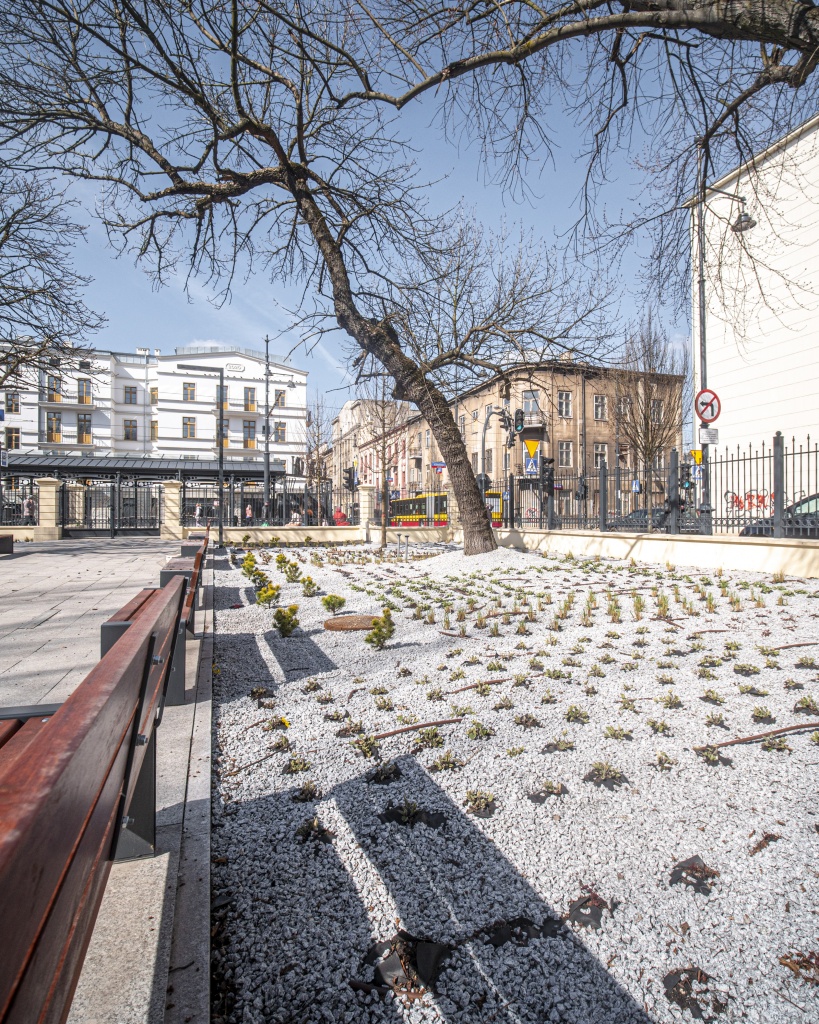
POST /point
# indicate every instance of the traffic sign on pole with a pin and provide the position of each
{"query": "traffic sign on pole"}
(696, 455)
(707, 405)
(531, 465)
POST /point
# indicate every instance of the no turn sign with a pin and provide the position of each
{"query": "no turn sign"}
(707, 405)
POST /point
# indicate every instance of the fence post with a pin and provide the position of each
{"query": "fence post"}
(511, 502)
(778, 483)
(674, 492)
(603, 499)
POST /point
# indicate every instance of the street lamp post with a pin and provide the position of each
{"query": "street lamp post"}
(290, 384)
(220, 438)
(744, 222)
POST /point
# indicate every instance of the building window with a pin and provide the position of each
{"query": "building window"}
(428, 439)
(54, 426)
(462, 425)
(250, 399)
(623, 408)
(564, 404)
(622, 453)
(600, 407)
(222, 395)
(154, 396)
(55, 388)
(279, 399)
(488, 411)
(188, 427)
(601, 454)
(188, 391)
(488, 462)
(474, 462)
(154, 430)
(12, 402)
(531, 402)
(280, 432)
(12, 438)
(564, 454)
(249, 433)
(656, 410)
(84, 392)
(130, 394)
(129, 430)
(84, 428)
(474, 415)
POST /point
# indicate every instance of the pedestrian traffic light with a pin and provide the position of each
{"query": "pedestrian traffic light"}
(349, 478)
(685, 477)
(547, 472)
(519, 420)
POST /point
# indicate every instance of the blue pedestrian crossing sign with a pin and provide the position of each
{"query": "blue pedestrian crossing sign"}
(696, 473)
(531, 465)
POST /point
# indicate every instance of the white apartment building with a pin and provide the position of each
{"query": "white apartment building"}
(145, 406)
(762, 294)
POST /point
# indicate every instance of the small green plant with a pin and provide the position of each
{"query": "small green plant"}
(494, 666)
(504, 704)
(715, 719)
(706, 673)
(628, 704)
(515, 751)
(281, 745)
(436, 693)
(603, 771)
(577, 714)
(709, 754)
(776, 743)
(761, 714)
(296, 764)
(563, 742)
(664, 761)
(746, 670)
(311, 686)
(615, 732)
(807, 704)
(333, 603)
(597, 672)
(292, 572)
(483, 689)
(447, 762)
(268, 594)
(478, 731)
(307, 792)
(805, 662)
(712, 697)
(548, 698)
(429, 738)
(479, 800)
(384, 704)
(814, 737)
(665, 679)
(383, 629)
(367, 746)
(792, 684)
(527, 721)
(309, 587)
(313, 829)
(658, 726)
(286, 620)
(670, 700)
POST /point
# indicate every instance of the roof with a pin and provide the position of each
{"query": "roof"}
(69, 466)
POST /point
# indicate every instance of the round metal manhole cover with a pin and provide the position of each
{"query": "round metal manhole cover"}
(346, 622)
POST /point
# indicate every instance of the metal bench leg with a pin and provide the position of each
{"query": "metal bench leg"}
(138, 837)
(175, 694)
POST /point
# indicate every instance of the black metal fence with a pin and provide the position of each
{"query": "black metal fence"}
(19, 502)
(111, 506)
(292, 503)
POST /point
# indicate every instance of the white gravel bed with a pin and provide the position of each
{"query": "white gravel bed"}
(294, 918)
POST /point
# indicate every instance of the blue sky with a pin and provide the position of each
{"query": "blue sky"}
(164, 318)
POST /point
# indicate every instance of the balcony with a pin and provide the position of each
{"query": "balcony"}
(535, 418)
(67, 438)
(249, 442)
(66, 399)
(414, 452)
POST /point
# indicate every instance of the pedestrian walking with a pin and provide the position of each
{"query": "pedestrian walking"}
(248, 515)
(28, 512)
(197, 515)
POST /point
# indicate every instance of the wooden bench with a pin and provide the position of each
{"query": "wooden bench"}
(68, 778)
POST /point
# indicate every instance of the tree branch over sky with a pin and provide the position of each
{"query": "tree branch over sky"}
(269, 134)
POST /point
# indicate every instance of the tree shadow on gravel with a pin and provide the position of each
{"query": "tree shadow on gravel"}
(313, 927)
(226, 597)
(298, 656)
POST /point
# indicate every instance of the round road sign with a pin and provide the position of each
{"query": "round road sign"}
(707, 405)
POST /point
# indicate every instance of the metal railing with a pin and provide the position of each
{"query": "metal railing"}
(19, 502)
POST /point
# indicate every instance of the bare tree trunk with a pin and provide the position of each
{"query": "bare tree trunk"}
(385, 504)
(649, 499)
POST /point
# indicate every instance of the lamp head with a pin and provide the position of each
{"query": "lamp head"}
(744, 222)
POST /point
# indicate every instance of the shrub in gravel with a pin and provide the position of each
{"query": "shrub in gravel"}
(814, 737)
(716, 719)
(292, 572)
(311, 686)
(616, 732)
(776, 743)
(383, 629)
(548, 698)
(306, 792)
(746, 670)
(296, 764)
(527, 721)
(747, 690)
(286, 620)
(520, 679)
(658, 726)
(268, 594)
(710, 755)
(312, 829)
(429, 738)
(480, 802)
(577, 714)
(670, 700)
(367, 746)
(333, 603)
(309, 587)
(603, 773)
(806, 705)
(762, 714)
(281, 746)
(446, 762)
(515, 751)
(478, 731)
(664, 761)
(504, 704)
(712, 697)
(483, 689)
(628, 704)
(560, 743)
(384, 704)
(806, 662)
(792, 684)
(379, 691)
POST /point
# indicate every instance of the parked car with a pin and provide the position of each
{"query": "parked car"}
(801, 519)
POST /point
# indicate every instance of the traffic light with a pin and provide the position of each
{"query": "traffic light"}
(685, 477)
(349, 478)
(547, 472)
(519, 421)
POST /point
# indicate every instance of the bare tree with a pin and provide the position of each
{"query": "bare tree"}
(42, 314)
(317, 440)
(224, 133)
(653, 394)
(384, 420)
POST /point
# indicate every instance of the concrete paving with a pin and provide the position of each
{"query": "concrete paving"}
(54, 596)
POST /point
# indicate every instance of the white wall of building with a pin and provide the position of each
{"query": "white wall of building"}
(762, 297)
(137, 403)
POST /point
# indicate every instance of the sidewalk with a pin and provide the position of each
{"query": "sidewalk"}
(54, 596)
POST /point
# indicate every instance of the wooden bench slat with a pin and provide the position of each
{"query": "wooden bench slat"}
(17, 744)
(8, 729)
(129, 611)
